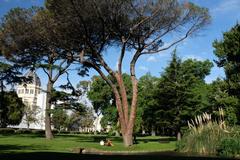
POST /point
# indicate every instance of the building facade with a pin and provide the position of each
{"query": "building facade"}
(35, 100)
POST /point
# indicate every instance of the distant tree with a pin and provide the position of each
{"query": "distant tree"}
(139, 26)
(178, 91)
(12, 110)
(147, 102)
(83, 121)
(30, 114)
(60, 119)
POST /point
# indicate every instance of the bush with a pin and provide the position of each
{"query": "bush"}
(7, 130)
(23, 131)
(36, 131)
(229, 147)
(204, 136)
(74, 132)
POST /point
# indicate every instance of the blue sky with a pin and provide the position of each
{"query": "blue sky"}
(224, 13)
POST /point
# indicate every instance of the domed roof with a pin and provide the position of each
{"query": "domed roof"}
(35, 79)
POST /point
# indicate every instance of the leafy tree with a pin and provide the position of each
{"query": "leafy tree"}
(60, 119)
(9, 75)
(28, 37)
(220, 98)
(30, 115)
(82, 121)
(180, 98)
(140, 26)
(12, 110)
(228, 52)
(147, 102)
(68, 101)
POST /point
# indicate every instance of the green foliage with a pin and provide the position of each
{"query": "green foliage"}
(12, 109)
(228, 52)
(81, 120)
(103, 99)
(23, 131)
(59, 119)
(100, 95)
(147, 102)
(7, 130)
(219, 97)
(229, 147)
(181, 91)
(69, 101)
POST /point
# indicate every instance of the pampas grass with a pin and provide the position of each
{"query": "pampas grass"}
(204, 134)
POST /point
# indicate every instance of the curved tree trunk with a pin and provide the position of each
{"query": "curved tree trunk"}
(48, 130)
(127, 117)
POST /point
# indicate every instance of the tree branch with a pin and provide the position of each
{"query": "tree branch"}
(110, 83)
(172, 44)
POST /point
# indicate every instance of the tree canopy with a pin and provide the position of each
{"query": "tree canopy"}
(140, 26)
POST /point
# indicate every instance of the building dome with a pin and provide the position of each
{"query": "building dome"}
(35, 79)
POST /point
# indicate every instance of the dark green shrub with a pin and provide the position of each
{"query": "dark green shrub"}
(7, 130)
(23, 131)
(36, 131)
(74, 132)
(64, 132)
(229, 147)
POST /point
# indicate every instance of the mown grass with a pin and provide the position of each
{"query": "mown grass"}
(66, 143)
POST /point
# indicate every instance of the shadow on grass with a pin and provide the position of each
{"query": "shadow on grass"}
(12, 148)
(72, 156)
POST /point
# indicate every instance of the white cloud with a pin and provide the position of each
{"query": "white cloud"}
(143, 68)
(226, 6)
(152, 59)
(191, 56)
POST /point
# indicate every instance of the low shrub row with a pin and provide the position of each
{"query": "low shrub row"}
(36, 131)
(22, 131)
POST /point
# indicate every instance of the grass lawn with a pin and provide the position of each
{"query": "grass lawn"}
(19, 143)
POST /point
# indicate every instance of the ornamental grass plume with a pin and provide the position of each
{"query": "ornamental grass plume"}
(204, 134)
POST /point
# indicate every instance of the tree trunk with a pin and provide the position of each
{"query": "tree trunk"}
(48, 130)
(153, 132)
(127, 139)
(127, 120)
(3, 123)
(179, 136)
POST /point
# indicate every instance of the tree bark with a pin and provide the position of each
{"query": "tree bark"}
(48, 130)
(3, 123)
(179, 136)
(127, 121)
(153, 132)
(128, 139)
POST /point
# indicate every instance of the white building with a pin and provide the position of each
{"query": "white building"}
(35, 99)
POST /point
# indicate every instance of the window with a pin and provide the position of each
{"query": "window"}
(26, 91)
(19, 91)
(22, 91)
(31, 91)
